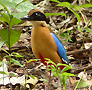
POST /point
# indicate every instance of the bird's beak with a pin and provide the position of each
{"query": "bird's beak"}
(25, 18)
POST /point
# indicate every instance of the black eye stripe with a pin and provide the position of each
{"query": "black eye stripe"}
(38, 16)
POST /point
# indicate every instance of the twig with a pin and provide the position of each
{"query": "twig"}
(81, 69)
(74, 2)
(78, 51)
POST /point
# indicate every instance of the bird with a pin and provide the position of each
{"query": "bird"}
(45, 44)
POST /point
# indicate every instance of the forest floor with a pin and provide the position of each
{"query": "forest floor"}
(79, 50)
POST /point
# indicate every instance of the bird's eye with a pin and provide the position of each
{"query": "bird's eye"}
(36, 14)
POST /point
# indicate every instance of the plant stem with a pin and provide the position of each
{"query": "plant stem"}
(83, 17)
(89, 23)
(9, 39)
(5, 8)
(79, 81)
(9, 35)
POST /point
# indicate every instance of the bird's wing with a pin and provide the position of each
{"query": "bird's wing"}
(60, 49)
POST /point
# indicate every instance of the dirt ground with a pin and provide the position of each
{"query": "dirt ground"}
(79, 50)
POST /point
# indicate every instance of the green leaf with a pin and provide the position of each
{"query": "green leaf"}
(67, 67)
(76, 7)
(1, 7)
(18, 56)
(1, 43)
(6, 52)
(88, 1)
(21, 2)
(67, 74)
(19, 14)
(60, 64)
(32, 76)
(2, 72)
(62, 34)
(1, 63)
(78, 18)
(4, 18)
(57, 14)
(50, 62)
(55, 1)
(44, 80)
(32, 60)
(12, 74)
(90, 10)
(14, 36)
(4, 35)
(63, 79)
(25, 6)
(15, 54)
(16, 62)
(65, 4)
(86, 5)
(14, 21)
(23, 9)
(82, 84)
(10, 3)
(88, 30)
(5, 7)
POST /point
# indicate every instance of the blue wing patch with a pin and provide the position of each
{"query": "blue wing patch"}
(60, 49)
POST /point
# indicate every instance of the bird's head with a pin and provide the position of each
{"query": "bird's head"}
(35, 15)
